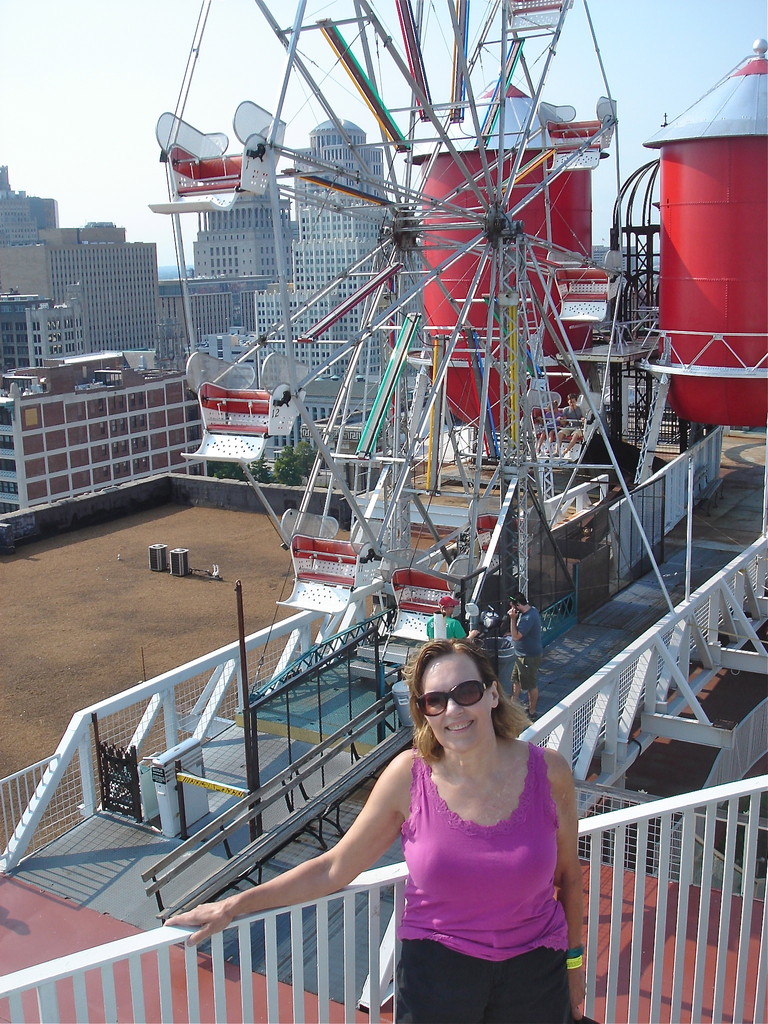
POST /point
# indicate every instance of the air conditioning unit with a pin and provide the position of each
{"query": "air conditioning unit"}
(179, 561)
(158, 557)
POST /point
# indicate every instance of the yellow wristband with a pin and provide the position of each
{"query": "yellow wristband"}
(574, 962)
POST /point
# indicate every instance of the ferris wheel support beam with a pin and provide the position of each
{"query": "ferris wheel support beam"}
(402, 66)
(291, 57)
(327, 455)
(564, 347)
(462, 83)
(301, 67)
(413, 49)
(535, 100)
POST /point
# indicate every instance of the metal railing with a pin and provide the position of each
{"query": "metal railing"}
(610, 716)
(706, 455)
(676, 931)
(41, 805)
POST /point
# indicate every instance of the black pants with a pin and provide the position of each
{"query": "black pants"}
(436, 985)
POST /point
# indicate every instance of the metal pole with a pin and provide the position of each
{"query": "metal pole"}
(689, 531)
(251, 750)
(177, 769)
(99, 766)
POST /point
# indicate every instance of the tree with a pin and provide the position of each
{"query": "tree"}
(286, 468)
(261, 472)
(226, 470)
(293, 464)
(305, 455)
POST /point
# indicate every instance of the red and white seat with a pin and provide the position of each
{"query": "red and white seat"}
(326, 570)
(238, 422)
(202, 175)
(417, 594)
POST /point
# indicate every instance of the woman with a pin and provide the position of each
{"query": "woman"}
(488, 824)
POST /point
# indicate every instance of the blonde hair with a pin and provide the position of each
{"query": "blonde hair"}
(508, 717)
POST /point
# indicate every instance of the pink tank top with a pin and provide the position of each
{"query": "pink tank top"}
(484, 890)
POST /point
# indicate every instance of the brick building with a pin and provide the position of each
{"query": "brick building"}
(91, 422)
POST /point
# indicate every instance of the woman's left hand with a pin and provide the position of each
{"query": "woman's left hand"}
(577, 988)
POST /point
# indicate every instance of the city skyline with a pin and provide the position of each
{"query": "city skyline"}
(80, 129)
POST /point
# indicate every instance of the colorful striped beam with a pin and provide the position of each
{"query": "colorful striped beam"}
(340, 186)
(363, 83)
(394, 369)
(499, 93)
(458, 87)
(413, 53)
(350, 302)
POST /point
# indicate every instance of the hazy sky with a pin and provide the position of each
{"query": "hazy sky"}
(83, 83)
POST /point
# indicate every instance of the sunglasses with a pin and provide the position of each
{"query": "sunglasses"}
(465, 694)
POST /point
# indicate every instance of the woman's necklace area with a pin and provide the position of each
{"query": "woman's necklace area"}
(488, 799)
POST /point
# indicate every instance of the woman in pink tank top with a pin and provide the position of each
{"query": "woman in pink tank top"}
(492, 926)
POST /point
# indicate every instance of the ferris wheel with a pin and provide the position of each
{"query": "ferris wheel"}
(478, 286)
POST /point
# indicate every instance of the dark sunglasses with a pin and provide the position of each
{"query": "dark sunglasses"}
(466, 694)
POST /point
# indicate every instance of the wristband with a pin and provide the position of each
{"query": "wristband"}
(574, 958)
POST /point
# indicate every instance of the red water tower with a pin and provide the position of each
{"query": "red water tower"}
(562, 213)
(713, 270)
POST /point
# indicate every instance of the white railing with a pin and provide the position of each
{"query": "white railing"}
(40, 805)
(680, 885)
(661, 673)
(676, 932)
(749, 742)
(706, 455)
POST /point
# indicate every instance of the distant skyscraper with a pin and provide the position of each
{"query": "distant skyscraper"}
(241, 242)
(215, 307)
(333, 233)
(22, 216)
(114, 281)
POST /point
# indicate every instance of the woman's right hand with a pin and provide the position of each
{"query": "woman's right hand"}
(211, 917)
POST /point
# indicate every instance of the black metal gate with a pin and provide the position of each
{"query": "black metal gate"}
(118, 777)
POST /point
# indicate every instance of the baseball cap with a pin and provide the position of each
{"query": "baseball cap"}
(447, 602)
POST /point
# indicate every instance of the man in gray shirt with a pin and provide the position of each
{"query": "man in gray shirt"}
(525, 630)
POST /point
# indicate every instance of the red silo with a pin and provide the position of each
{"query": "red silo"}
(562, 213)
(713, 270)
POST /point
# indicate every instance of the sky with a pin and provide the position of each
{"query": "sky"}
(83, 83)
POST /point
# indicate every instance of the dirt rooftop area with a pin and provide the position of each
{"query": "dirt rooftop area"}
(84, 617)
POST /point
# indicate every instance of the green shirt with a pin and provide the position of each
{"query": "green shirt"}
(453, 628)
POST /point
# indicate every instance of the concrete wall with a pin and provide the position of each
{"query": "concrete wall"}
(163, 489)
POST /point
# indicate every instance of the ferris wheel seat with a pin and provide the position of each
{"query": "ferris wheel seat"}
(584, 293)
(239, 411)
(577, 143)
(326, 571)
(240, 448)
(201, 168)
(417, 594)
(238, 422)
(536, 15)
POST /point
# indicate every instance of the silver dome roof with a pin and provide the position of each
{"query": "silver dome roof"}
(736, 106)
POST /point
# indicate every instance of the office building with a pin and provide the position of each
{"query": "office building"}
(22, 217)
(114, 281)
(334, 232)
(241, 242)
(83, 424)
